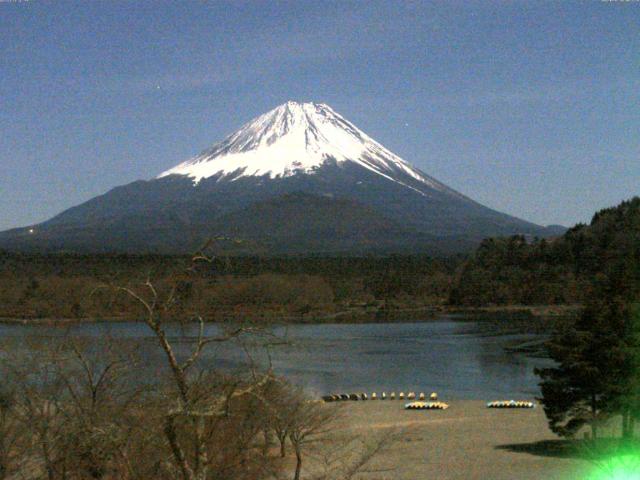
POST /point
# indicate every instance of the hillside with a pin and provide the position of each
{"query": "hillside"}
(556, 271)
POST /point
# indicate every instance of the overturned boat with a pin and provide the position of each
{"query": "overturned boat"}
(426, 406)
(511, 404)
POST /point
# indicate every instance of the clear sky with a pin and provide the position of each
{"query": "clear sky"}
(530, 107)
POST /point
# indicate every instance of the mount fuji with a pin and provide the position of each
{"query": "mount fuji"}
(298, 179)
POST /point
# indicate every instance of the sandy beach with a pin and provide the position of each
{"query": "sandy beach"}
(466, 441)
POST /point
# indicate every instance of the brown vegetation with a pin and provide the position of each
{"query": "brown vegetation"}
(74, 409)
(64, 287)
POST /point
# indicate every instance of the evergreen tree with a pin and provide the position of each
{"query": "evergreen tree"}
(598, 364)
(626, 393)
(574, 392)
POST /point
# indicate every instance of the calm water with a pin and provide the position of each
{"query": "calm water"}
(458, 359)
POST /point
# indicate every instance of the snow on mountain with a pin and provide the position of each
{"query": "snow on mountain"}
(297, 138)
(298, 179)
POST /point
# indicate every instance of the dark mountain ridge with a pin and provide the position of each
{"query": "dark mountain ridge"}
(297, 179)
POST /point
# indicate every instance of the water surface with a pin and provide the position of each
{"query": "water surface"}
(457, 359)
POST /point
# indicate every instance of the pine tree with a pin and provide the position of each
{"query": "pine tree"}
(598, 366)
(625, 394)
(574, 392)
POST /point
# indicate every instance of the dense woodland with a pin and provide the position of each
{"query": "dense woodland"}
(501, 272)
(70, 286)
(506, 271)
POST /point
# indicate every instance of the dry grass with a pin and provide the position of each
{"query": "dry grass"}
(467, 441)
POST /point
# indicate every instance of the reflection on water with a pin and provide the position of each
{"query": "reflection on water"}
(456, 359)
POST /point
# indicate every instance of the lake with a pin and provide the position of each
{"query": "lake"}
(457, 359)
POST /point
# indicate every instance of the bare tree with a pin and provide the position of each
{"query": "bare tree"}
(185, 423)
(99, 393)
(309, 422)
(349, 456)
(77, 409)
(37, 393)
(280, 405)
(11, 433)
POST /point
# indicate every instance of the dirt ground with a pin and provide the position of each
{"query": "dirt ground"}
(467, 441)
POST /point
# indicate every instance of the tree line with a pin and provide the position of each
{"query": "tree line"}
(513, 270)
(63, 285)
(518, 270)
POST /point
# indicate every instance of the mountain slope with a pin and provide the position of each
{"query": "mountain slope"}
(293, 164)
(300, 222)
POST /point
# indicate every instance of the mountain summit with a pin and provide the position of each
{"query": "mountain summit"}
(298, 179)
(297, 138)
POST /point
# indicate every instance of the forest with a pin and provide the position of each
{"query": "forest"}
(506, 271)
(69, 286)
(502, 272)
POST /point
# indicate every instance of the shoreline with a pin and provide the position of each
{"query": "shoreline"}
(348, 316)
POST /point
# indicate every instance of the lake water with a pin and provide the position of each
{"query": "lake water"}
(457, 359)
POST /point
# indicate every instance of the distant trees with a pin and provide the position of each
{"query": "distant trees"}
(297, 293)
(518, 270)
(61, 286)
(502, 271)
(514, 270)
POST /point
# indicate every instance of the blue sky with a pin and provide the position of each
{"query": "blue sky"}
(530, 107)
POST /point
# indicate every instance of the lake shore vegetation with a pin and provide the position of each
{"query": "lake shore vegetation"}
(539, 277)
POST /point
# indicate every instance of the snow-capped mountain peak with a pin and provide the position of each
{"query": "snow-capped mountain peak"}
(299, 179)
(296, 138)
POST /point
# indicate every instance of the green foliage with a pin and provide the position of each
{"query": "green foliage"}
(517, 270)
(598, 368)
(575, 392)
(598, 358)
